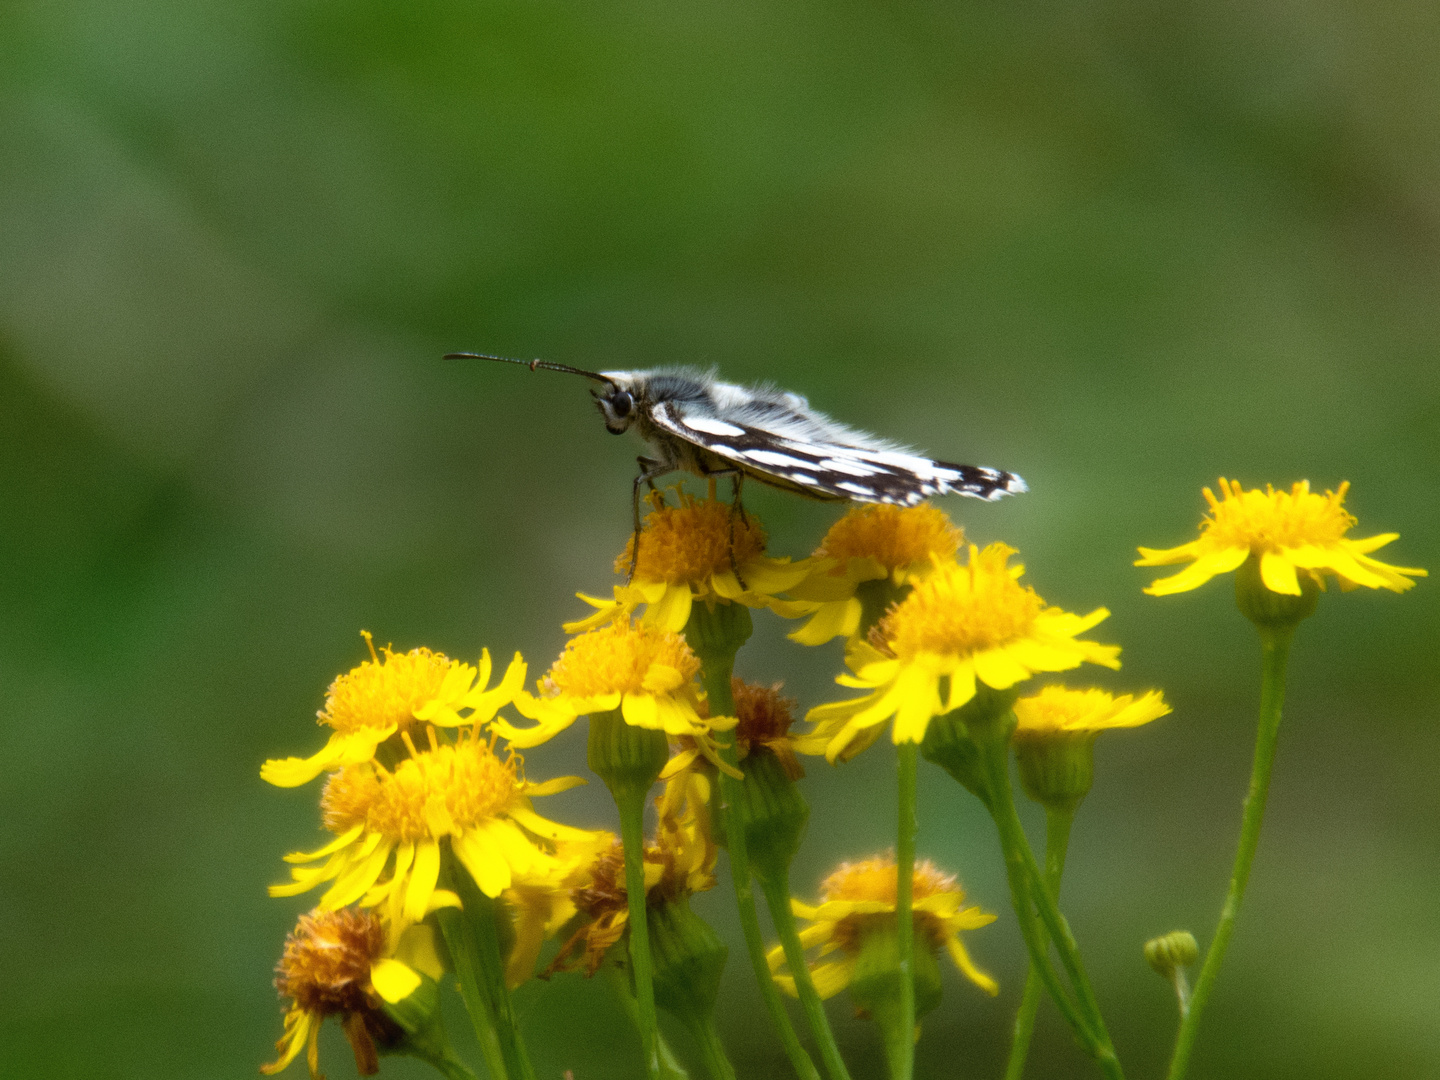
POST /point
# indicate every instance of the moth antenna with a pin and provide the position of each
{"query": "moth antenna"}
(548, 365)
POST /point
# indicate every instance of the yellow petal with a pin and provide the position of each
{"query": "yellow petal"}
(640, 711)
(487, 866)
(1200, 571)
(348, 748)
(1167, 556)
(962, 960)
(393, 980)
(1278, 574)
(343, 840)
(423, 876)
(832, 620)
(355, 882)
(672, 611)
(555, 786)
(999, 669)
(550, 830)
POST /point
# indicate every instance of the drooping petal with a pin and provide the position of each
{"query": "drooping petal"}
(343, 748)
(480, 856)
(1200, 571)
(393, 980)
(956, 948)
(423, 875)
(1278, 574)
(673, 610)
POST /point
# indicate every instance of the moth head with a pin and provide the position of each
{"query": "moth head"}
(618, 403)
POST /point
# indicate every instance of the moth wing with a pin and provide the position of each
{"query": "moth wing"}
(825, 469)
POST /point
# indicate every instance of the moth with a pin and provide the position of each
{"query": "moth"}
(692, 421)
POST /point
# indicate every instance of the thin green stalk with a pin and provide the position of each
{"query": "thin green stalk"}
(777, 898)
(449, 1066)
(712, 1052)
(1275, 649)
(670, 1067)
(909, 755)
(632, 836)
(1057, 842)
(716, 667)
(482, 944)
(1027, 888)
(460, 943)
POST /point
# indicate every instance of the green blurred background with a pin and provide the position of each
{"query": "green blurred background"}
(1122, 247)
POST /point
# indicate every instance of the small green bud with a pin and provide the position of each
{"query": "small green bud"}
(718, 629)
(1057, 768)
(953, 741)
(689, 958)
(627, 758)
(1271, 609)
(1172, 951)
(774, 812)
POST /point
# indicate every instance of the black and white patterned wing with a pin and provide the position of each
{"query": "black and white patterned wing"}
(800, 455)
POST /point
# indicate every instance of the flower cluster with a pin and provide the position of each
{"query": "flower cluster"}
(436, 858)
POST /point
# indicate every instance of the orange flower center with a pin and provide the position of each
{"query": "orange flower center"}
(763, 712)
(326, 964)
(1269, 520)
(691, 541)
(960, 610)
(442, 791)
(381, 692)
(617, 658)
(893, 536)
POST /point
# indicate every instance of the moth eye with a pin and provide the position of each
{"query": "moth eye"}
(621, 403)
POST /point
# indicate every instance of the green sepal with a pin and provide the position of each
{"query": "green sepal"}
(418, 1012)
(1057, 768)
(627, 758)
(774, 812)
(1269, 609)
(876, 598)
(689, 958)
(717, 630)
(953, 741)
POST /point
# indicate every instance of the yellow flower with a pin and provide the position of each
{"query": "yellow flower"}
(858, 899)
(541, 905)
(875, 542)
(698, 550)
(464, 792)
(1289, 532)
(680, 863)
(958, 625)
(1058, 711)
(380, 697)
(646, 672)
(763, 719)
(336, 963)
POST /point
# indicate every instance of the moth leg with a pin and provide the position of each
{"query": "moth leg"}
(737, 477)
(649, 470)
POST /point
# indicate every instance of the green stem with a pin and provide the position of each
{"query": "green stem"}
(777, 898)
(670, 1067)
(1275, 649)
(464, 953)
(449, 1066)
(632, 836)
(1057, 842)
(904, 1065)
(482, 944)
(1027, 888)
(715, 671)
(712, 1052)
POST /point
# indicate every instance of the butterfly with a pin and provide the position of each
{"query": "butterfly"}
(692, 421)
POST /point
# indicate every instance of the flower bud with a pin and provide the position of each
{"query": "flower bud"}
(689, 958)
(875, 987)
(1168, 952)
(774, 812)
(718, 629)
(1056, 767)
(1272, 609)
(627, 758)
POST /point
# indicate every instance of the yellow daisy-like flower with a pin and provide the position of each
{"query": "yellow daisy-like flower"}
(336, 964)
(541, 906)
(382, 696)
(700, 550)
(958, 625)
(1290, 532)
(875, 542)
(859, 899)
(646, 672)
(463, 792)
(1057, 711)
(680, 863)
